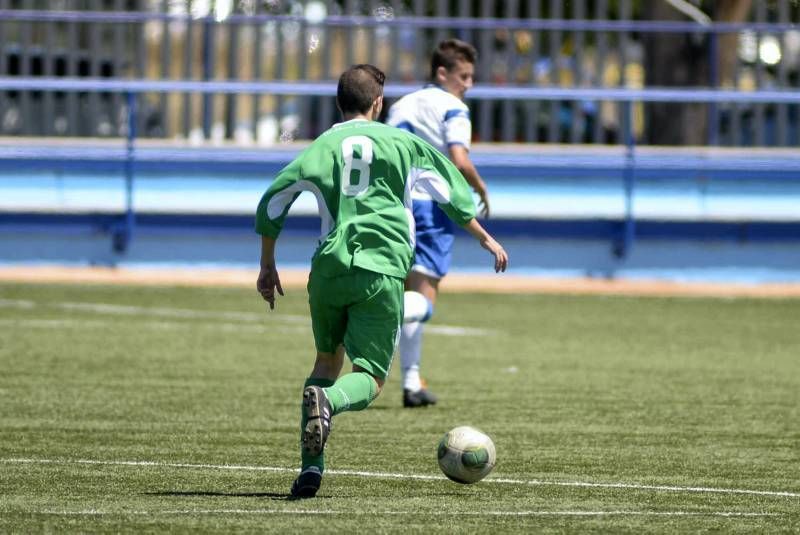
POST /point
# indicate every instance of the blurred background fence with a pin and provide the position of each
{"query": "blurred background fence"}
(746, 45)
(165, 119)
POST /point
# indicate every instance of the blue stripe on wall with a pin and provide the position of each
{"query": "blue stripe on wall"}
(744, 231)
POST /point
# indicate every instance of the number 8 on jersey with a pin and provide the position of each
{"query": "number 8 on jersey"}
(356, 162)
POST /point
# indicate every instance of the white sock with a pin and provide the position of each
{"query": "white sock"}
(416, 307)
(410, 353)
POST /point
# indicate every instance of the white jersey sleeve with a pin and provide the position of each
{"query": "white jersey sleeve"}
(457, 126)
(435, 115)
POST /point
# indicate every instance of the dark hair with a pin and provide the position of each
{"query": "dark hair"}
(359, 86)
(449, 52)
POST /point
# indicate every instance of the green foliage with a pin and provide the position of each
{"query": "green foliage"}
(598, 390)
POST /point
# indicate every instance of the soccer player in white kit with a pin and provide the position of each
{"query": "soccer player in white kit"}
(437, 113)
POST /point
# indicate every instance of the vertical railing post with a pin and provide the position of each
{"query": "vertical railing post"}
(601, 45)
(554, 51)
(713, 108)
(188, 72)
(234, 73)
(166, 70)
(624, 243)
(121, 236)
(485, 122)
(208, 73)
(3, 62)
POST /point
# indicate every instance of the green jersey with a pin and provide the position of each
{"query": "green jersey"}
(362, 174)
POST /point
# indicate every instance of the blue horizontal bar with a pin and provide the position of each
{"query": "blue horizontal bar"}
(387, 19)
(576, 163)
(328, 89)
(268, 169)
(743, 231)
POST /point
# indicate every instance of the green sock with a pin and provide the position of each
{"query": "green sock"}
(310, 460)
(352, 392)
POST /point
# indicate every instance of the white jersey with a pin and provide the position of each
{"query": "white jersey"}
(438, 117)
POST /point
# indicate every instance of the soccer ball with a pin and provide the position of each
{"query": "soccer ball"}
(466, 455)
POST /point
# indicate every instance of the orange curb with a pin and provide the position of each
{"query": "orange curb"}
(455, 282)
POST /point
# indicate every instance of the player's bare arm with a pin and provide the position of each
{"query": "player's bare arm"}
(459, 155)
(268, 279)
(489, 243)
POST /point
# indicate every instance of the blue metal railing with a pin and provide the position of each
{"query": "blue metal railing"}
(208, 42)
(466, 23)
(629, 169)
(122, 233)
(328, 89)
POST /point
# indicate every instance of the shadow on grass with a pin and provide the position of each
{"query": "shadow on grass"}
(275, 496)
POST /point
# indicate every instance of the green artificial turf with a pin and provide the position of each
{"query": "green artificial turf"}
(150, 408)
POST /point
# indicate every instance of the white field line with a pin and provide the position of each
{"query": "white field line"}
(389, 475)
(186, 313)
(42, 323)
(96, 512)
(17, 303)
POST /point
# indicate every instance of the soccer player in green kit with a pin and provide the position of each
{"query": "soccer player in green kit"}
(362, 173)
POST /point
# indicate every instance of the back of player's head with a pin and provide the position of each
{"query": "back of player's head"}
(359, 86)
(448, 52)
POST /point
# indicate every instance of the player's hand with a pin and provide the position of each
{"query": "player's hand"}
(500, 255)
(269, 281)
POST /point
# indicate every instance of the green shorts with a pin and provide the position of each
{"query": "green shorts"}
(362, 310)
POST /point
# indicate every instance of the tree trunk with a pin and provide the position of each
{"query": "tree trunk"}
(684, 60)
(729, 11)
(674, 59)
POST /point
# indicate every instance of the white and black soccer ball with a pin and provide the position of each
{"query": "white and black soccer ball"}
(466, 455)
